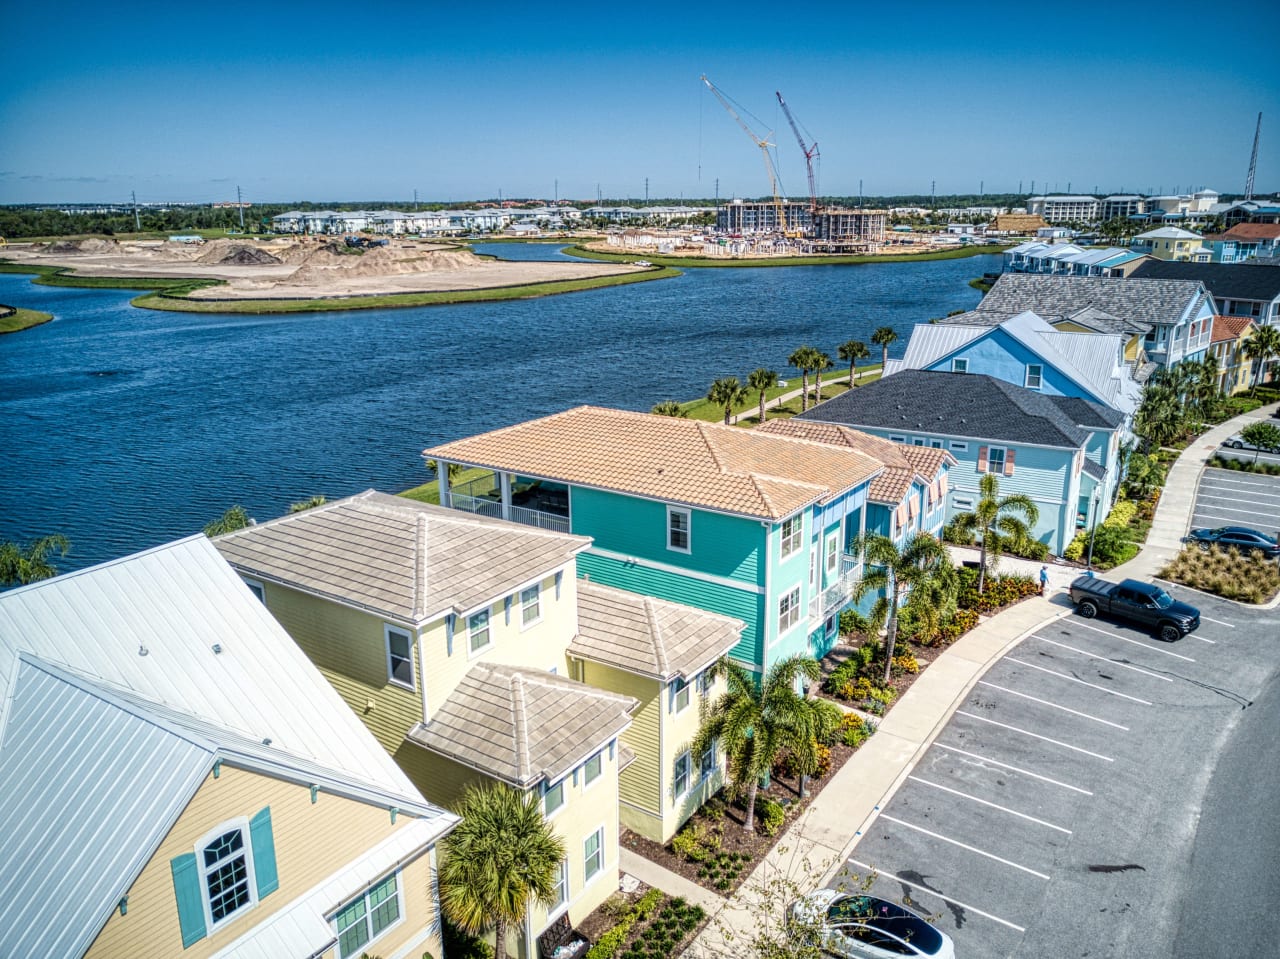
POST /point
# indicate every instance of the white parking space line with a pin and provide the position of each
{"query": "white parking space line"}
(1021, 772)
(1045, 702)
(1104, 659)
(1213, 488)
(1237, 498)
(983, 802)
(1027, 732)
(956, 842)
(1126, 639)
(955, 902)
(1073, 679)
(1210, 619)
(1213, 508)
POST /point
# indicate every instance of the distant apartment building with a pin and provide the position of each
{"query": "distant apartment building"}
(850, 226)
(1065, 209)
(1122, 205)
(762, 216)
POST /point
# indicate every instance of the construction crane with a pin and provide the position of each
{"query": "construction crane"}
(810, 152)
(764, 145)
(1253, 161)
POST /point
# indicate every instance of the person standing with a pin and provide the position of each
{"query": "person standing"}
(1044, 579)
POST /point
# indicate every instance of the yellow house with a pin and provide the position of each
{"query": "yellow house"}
(446, 633)
(1090, 319)
(1173, 243)
(660, 653)
(1230, 333)
(180, 781)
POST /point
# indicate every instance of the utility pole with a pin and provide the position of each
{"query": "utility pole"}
(415, 201)
(933, 193)
(982, 189)
(1019, 188)
(240, 207)
(646, 191)
(1033, 187)
(599, 196)
(137, 223)
(717, 193)
(859, 193)
(557, 189)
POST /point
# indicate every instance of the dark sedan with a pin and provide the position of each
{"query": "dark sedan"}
(1240, 537)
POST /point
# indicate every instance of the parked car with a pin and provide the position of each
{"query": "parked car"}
(1238, 442)
(866, 927)
(1241, 537)
(1138, 602)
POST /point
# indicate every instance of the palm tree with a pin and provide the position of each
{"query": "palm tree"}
(669, 408)
(754, 721)
(455, 469)
(230, 521)
(851, 351)
(884, 337)
(818, 723)
(1263, 344)
(502, 855)
(996, 518)
(762, 381)
(728, 393)
(803, 359)
(310, 503)
(821, 361)
(19, 566)
(900, 572)
(1161, 417)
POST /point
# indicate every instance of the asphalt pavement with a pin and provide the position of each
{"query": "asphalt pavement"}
(1231, 498)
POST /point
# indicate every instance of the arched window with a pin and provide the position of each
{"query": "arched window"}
(225, 859)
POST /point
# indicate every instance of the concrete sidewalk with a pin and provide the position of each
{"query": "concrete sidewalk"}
(815, 847)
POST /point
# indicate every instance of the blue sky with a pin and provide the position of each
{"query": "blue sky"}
(366, 101)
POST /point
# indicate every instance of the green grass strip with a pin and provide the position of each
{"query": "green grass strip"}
(695, 262)
(23, 320)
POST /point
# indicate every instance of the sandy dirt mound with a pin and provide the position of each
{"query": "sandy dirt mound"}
(249, 256)
(333, 260)
(92, 244)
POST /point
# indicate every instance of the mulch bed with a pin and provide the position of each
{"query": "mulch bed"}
(660, 935)
(728, 818)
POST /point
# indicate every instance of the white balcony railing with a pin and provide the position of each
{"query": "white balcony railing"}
(837, 595)
(484, 506)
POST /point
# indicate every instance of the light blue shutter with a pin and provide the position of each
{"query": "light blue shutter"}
(186, 887)
(264, 853)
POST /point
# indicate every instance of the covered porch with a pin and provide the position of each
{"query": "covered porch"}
(520, 499)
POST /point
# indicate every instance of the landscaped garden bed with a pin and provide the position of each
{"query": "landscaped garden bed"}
(1226, 573)
(646, 924)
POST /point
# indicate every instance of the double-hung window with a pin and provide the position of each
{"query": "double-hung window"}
(591, 771)
(593, 854)
(995, 460)
(562, 885)
(226, 874)
(680, 695)
(788, 610)
(552, 798)
(530, 605)
(678, 523)
(680, 778)
(364, 919)
(1035, 375)
(792, 530)
(478, 630)
(833, 554)
(399, 657)
(707, 761)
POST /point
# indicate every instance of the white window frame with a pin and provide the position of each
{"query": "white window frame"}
(935, 444)
(472, 648)
(960, 364)
(831, 553)
(1039, 376)
(587, 778)
(587, 873)
(547, 790)
(790, 600)
(368, 916)
(707, 762)
(791, 538)
(561, 887)
(960, 503)
(686, 759)
(527, 603)
(387, 630)
(958, 446)
(1004, 458)
(706, 679)
(897, 439)
(680, 688)
(259, 591)
(672, 512)
(246, 849)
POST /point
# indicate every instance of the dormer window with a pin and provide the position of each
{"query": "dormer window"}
(1035, 375)
(960, 364)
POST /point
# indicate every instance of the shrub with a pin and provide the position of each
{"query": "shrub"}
(831, 721)
(1121, 514)
(770, 815)
(905, 663)
(695, 843)
(854, 730)
(1249, 579)
(852, 622)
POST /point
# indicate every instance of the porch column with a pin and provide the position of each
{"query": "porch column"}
(504, 484)
(442, 481)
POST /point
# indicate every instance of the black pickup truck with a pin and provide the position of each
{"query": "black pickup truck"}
(1138, 602)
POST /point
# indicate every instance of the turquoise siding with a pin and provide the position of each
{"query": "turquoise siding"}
(739, 603)
(726, 546)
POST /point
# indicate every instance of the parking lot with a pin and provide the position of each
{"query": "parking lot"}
(1228, 498)
(1054, 813)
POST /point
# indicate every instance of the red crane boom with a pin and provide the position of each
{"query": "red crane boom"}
(809, 151)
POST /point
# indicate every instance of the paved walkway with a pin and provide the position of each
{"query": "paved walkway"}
(783, 398)
(814, 848)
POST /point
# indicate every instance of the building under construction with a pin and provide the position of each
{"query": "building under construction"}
(847, 230)
(746, 217)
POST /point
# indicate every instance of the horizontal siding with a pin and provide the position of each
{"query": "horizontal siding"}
(312, 841)
(441, 780)
(721, 545)
(717, 598)
(349, 648)
(641, 782)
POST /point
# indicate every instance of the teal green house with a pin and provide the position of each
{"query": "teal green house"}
(742, 522)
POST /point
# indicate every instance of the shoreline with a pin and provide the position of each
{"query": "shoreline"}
(15, 319)
(817, 259)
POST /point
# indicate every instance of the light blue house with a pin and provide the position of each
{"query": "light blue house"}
(1060, 450)
(751, 524)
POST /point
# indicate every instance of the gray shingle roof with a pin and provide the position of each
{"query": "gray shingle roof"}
(1094, 469)
(400, 558)
(648, 636)
(523, 725)
(953, 404)
(1090, 415)
(1237, 281)
(1139, 302)
(1092, 318)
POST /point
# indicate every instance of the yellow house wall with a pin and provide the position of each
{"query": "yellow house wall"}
(311, 842)
(679, 730)
(349, 648)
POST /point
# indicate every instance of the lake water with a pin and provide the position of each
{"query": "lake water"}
(124, 428)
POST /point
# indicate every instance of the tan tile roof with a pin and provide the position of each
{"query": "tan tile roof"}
(902, 463)
(1229, 327)
(668, 458)
(400, 558)
(648, 636)
(523, 725)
